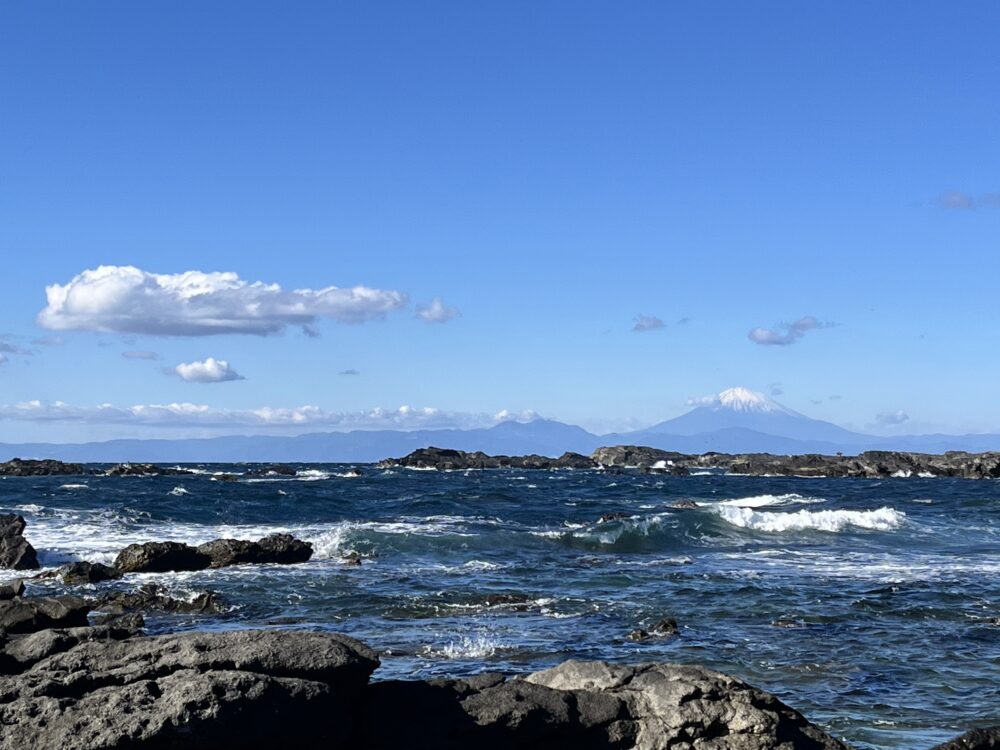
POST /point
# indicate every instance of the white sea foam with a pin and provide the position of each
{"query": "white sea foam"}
(880, 519)
(74, 487)
(761, 501)
(178, 491)
(479, 646)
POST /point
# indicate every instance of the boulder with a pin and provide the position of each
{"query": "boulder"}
(977, 739)
(21, 652)
(277, 548)
(12, 589)
(15, 551)
(586, 705)
(86, 572)
(37, 613)
(160, 557)
(195, 690)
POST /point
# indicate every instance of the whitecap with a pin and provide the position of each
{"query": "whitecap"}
(880, 519)
(479, 646)
(178, 491)
(760, 501)
(74, 487)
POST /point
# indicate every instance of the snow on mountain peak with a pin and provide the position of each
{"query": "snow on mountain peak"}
(745, 400)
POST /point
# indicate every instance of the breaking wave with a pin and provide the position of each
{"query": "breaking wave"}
(881, 519)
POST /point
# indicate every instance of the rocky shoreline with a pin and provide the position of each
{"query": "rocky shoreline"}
(869, 465)
(79, 673)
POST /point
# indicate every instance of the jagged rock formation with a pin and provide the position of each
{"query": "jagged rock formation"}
(15, 551)
(977, 739)
(446, 459)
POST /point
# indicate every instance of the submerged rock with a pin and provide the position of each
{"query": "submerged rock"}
(154, 597)
(15, 551)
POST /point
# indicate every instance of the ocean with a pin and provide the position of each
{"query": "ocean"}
(871, 606)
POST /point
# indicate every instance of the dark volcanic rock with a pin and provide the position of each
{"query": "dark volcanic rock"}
(12, 589)
(638, 457)
(587, 705)
(199, 691)
(160, 557)
(21, 652)
(29, 615)
(616, 516)
(277, 548)
(15, 551)
(445, 459)
(17, 467)
(86, 572)
(977, 739)
(144, 470)
(271, 470)
(154, 597)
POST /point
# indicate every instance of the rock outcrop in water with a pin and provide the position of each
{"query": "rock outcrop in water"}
(445, 459)
(870, 465)
(15, 551)
(163, 557)
(17, 467)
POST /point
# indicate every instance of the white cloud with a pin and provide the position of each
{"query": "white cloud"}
(892, 417)
(786, 333)
(264, 418)
(125, 299)
(436, 312)
(212, 370)
(645, 323)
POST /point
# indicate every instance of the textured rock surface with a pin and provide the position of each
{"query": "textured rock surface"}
(277, 548)
(588, 705)
(156, 598)
(17, 467)
(85, 572)
(198, 690)
(977, 739)
(446, 459)
(160, 557)
(15, 551)
(29, 615)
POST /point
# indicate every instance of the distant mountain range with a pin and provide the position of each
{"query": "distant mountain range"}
(736, 421)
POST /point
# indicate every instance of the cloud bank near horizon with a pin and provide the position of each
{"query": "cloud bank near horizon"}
(126, 299)
(201, 415)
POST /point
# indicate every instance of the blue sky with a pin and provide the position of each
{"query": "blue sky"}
(554, 173)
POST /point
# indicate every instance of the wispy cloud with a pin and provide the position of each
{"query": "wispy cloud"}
(892, 417)
(300, 417)
(776, 389)
(3, 359)
(436, 312)
(349, 372)
(956, 200)
(645, 323)
(125, 299)
(786, 333)
(49, 341)
(211, 370)
(140, 355)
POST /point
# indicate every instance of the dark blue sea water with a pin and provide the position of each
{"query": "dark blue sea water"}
(885, 593)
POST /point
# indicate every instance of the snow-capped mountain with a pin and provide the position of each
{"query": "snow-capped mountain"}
(747, 411)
